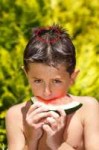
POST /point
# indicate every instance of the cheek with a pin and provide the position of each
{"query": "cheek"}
(60, 92)
(36, 90)
(59, 95)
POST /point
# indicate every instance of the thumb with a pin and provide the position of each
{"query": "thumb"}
(47, 129)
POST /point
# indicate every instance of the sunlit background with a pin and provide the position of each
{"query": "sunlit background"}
(17, 17)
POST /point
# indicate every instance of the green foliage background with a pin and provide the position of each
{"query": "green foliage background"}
(81, 18)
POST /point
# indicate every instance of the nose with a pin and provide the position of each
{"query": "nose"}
(47, 91)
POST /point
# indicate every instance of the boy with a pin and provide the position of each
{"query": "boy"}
(49, 64)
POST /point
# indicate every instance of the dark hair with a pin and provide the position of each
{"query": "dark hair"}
(51, 46)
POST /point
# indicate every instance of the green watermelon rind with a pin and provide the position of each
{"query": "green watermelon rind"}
(68, 108)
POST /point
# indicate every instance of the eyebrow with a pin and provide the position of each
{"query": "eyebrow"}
(58, 78)
(36, 78)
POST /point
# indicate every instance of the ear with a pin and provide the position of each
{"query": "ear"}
(74, 76)
(23, 68)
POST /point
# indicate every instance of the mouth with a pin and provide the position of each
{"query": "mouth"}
(46, 100)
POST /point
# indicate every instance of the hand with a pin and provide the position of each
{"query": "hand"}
(54, 127)
(34, 120)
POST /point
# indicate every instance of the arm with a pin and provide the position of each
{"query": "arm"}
(15, 136)
(14, 127)
(65, 146)
(91, 130)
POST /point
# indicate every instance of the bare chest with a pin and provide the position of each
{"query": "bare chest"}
(73, 135)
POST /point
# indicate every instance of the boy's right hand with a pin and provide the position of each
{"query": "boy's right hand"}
(35, 118)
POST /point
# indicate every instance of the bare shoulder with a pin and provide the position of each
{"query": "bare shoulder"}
(16, 109)
(90, 106)
(16, 113)
(87, 101)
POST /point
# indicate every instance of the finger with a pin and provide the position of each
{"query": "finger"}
(47, 128)
(38, 125)
(62, 115)
(54, 114)
(34, 107)
(36, 112)
(39, 110)
(52, 122)
(61, 112)
(40, 116)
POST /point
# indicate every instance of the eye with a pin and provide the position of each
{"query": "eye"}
(57, 81)
(37, 81)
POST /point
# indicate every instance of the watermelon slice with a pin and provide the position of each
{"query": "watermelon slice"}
(68, 108)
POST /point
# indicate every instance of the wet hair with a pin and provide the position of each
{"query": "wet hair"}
(51, 46)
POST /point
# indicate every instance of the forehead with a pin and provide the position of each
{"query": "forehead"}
(42, 70)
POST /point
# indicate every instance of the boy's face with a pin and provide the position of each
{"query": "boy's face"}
(48, 82)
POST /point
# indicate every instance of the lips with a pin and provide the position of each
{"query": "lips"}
(47, 100)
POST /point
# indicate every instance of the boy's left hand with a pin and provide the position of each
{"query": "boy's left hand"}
(54, 128)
